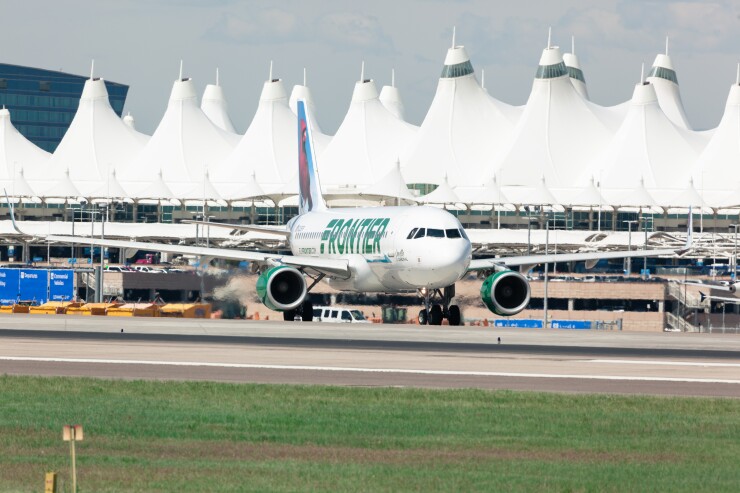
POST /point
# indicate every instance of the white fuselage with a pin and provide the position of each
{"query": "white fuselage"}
(383, 256)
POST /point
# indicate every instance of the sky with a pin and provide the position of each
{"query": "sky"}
(141, 43)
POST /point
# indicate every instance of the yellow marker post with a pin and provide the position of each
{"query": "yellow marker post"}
(72, 434)
(50, 485)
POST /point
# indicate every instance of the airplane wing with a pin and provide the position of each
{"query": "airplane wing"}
(277, 230)
(723, 299)
(532, 260)
(328, 266)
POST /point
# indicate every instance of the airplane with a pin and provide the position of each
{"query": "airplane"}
(382, 249)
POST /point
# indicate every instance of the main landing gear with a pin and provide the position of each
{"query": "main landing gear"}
(433, 313)
(304, 312)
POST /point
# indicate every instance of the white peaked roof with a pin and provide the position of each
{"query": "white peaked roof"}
(110, 190)
(663, 77)
(557, 134)
(589, 196)
(390, 96)
(157, 192)
(367, 144)
(391, 185)
(462, 131)
(18, 153)
(541, 195)
(718, 166)
(267, 151)
(648, 146)
(203, 192)
(97, 141)
(63, 191)
(576, 73)
(489, 194)
(185, 143)
(443, 194)
(19, 187)
(215, 107)
(636, 197)
(688, 197)
(250, 191)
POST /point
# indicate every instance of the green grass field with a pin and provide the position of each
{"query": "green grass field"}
(179, 436)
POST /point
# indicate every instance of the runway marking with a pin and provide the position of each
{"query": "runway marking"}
(367, 370)
(664, 363)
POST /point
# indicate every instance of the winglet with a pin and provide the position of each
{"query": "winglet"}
(12, 213)
(702, 297)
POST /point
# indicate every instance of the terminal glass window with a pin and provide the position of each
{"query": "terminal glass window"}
(457, 70)
(576, 73)
(551, 71)
(664, 73)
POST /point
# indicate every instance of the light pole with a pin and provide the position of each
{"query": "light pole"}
(734, 255)
(629, 244)
(72, 256)
(547, 247)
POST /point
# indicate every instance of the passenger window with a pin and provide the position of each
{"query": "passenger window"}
(421, 233)
(346, 315)
(453, 233)
(334, 313)
(436, 233)
(326, 313)
(411, 235)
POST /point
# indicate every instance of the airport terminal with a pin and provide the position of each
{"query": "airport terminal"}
(558, 174)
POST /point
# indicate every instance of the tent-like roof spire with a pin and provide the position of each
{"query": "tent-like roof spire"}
(180, 76)
(92, 69)
(453, 37)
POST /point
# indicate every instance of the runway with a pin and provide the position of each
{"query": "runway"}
(372, 355)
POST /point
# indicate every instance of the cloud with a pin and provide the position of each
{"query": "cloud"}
(358, 30)
(342, 30)
(265, 27)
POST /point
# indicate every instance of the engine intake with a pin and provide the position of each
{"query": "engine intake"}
(281, 288)
(505, 293)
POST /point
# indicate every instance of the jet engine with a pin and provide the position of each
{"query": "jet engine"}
(505, 292)
(281, 288)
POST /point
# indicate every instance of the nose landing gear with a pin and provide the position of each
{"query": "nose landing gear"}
(433, 314)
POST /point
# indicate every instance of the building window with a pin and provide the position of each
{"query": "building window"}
(3, 83)
(457, 70)
(551, 71)
(664, 73)
(576, 73)
(45, 86)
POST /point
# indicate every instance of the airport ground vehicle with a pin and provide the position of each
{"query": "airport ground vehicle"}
(338, 315)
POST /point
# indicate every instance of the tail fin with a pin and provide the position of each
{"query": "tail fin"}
(309, 186)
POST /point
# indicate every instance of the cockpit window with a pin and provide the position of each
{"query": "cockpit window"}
(453, 233)
(436, 233)
(421, 233)
(411, 234)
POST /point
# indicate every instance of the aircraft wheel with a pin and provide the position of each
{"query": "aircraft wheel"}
(307, 311)
(435, 315)
(289, 315)
(423, 318)
(454, 316)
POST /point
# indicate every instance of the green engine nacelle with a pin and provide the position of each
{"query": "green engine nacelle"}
(281, 288)
(505, 292)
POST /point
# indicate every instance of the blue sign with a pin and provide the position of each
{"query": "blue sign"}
(9, 279)
(571, 324)
(34, 285)
(518, 323)
(61, 285)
